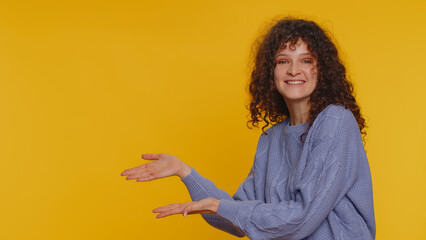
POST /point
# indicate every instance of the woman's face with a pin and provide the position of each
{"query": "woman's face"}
(295, 73)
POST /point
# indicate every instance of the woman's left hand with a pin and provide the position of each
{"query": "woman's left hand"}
(207, 205)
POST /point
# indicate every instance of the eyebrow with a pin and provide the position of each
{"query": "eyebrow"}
(301, 54)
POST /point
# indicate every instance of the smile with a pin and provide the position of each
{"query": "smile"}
(294, 82)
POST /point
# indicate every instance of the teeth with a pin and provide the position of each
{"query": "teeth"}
(294, 82)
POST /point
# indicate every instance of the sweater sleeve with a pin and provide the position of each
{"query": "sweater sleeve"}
(331, 169)
(200, 188)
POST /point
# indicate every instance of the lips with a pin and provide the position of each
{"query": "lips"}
(295, 82)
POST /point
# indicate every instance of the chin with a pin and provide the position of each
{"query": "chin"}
(296, 98)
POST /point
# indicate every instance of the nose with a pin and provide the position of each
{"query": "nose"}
(293, 69)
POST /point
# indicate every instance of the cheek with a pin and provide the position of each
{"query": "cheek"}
(276, 78)
(313, 78)
(313, 74)
(275, 83)
(276, 73)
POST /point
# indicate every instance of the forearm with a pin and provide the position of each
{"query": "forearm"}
(200, 188)
(222, 224)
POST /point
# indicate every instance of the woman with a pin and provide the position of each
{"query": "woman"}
(310, 178)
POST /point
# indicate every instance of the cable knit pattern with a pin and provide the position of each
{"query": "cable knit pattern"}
(320, 189)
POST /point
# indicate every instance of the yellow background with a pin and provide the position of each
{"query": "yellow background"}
(86, 87)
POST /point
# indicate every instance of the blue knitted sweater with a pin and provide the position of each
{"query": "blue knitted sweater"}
(320, 189)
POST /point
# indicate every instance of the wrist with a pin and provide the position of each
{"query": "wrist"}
(184, 171)
(214, 205)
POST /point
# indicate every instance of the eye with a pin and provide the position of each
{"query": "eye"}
(281, 61)
(307, 61)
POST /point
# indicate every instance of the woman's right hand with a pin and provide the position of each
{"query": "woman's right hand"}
(163, 165)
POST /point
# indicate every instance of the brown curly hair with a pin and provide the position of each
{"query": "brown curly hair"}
(333, 87)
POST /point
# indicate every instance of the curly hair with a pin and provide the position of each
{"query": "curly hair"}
(333, 87)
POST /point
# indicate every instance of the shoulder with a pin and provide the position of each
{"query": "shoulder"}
(333, 120)
(335, 111)
(335, 114)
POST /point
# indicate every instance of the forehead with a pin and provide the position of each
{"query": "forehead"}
(298, 48)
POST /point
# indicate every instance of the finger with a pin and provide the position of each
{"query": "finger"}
(131, 177)
(147, 156)
(133, 170)
(136, 171)
(136, 175)
(125, 172)
(170, 212)
(151, 156)
(187, 210)
(148, 174)
(146, 178)
(143, 176)
(192, 208)
(165, 208)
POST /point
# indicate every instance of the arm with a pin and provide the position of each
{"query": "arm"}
(164, 165)
(331, 170)
(201, 188)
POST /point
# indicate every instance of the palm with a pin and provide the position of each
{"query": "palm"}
(163, 165)
(204, 206)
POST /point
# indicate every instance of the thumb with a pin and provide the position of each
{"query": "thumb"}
(186, 210)
(151, 156)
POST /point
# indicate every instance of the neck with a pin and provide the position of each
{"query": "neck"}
(299, 112)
